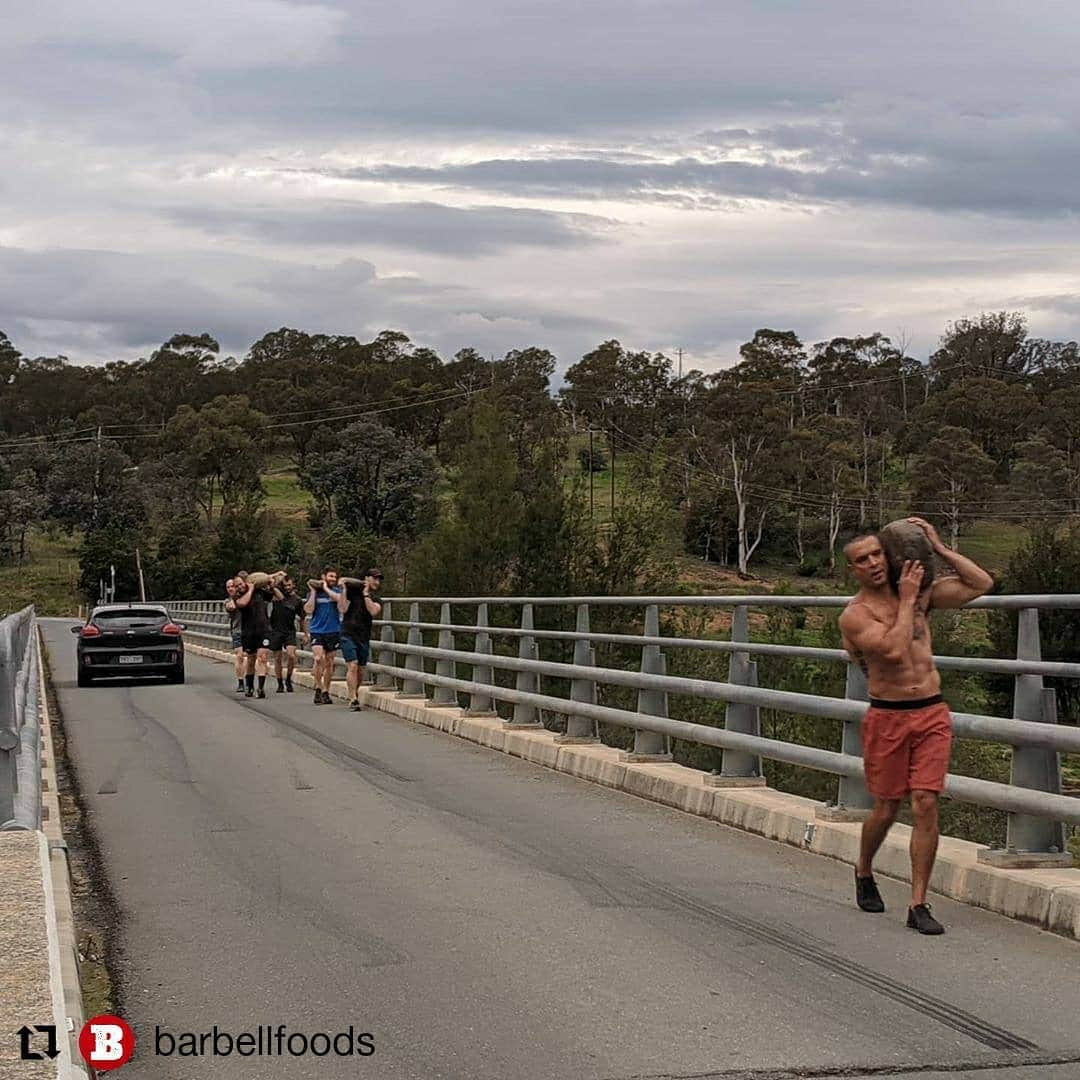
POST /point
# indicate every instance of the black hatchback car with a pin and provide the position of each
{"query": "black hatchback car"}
(129, 639)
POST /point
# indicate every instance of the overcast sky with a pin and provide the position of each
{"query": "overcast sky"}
(497, 174)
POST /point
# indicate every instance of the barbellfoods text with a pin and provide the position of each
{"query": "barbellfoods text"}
(267, 1040)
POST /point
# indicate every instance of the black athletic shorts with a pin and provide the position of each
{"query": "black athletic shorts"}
(252, 643)
(280, 638)
(329, 642)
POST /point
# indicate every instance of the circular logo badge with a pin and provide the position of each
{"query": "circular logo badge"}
(106, 1042)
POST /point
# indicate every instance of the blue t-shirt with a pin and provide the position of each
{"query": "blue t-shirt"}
(326, 618)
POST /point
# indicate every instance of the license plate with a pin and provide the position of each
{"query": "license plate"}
(130, 659)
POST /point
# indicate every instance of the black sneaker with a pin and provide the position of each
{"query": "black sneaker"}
(281, 688)
(239, 688)
(318, 697)
(326, 698)
(867, 896)
(288, 686)
(354, 705)
(260, 694)
(249, 692)
(919, 918)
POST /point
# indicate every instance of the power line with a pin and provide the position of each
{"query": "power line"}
(821, 501)
(430, 399)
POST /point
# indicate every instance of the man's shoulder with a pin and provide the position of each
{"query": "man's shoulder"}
(857, 611)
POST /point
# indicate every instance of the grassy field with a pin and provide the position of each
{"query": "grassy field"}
(48, 578)
(284, 495)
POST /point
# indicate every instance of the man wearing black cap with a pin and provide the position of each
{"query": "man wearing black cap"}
(359, 604)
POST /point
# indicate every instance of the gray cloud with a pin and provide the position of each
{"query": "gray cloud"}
(1013, 172)
(112, 306)
(431, 227)
(349, 166)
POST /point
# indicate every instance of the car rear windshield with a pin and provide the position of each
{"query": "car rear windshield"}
(130, 617)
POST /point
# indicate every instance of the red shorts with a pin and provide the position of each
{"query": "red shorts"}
(906, 749)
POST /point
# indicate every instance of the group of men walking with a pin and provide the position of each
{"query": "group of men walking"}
(268, 618)
(906, 733)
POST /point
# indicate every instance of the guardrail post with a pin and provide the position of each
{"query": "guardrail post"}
(1032, 841)
(581, 729)
(528, 682)
(853, 801)
(27, 803)
(383, 681)
(480, 703)
(740, 768)
(411, 687)
(651, 745)
(9, 719)
(443, 695)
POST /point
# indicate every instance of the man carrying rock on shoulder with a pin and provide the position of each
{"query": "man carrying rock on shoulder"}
(907, 731)
(359, 604)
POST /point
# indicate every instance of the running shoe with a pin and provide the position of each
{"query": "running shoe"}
(919, 918)
(867, 896)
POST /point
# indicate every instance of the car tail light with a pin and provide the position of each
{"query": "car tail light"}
(90, 630)
(171, 629)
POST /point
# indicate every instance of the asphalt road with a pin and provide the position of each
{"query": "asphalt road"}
(480, 917)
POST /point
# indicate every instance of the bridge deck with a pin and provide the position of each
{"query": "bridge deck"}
(485, 918)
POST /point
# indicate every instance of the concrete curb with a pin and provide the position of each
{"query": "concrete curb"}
(1048, 898)
(59, 913)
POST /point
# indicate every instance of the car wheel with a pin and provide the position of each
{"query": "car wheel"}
(177, 676)
(84, 678)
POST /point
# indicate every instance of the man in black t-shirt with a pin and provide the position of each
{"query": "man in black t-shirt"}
(359, 604)
(254, 605)
(287, 608)
(233, 588)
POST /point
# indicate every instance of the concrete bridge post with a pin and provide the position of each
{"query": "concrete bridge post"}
(480, 702)
(740, 768)
(651, 745)
(1032, 841)
(384, 681)
(853, 801)
(411, 687)
(528, 682)
(444, 695)
(581, 729)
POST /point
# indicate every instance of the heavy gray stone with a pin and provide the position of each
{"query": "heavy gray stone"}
(901, 541)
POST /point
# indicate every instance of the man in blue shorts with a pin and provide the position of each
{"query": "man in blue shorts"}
(359, 604)
(324, 626)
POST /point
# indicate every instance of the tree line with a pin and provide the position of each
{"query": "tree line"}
(454, 471)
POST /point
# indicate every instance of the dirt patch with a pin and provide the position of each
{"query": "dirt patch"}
(97, 914)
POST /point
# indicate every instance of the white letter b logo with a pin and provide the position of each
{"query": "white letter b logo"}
(108, 1042)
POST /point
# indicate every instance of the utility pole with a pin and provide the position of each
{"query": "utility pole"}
(679, 351)
(591, 460)
(142, 584)
(611, 440)
(97, 475)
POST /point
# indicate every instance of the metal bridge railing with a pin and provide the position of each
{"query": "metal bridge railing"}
(1037, 810)
(20, 732)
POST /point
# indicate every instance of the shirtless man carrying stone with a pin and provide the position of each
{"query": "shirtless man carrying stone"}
(907, 731)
